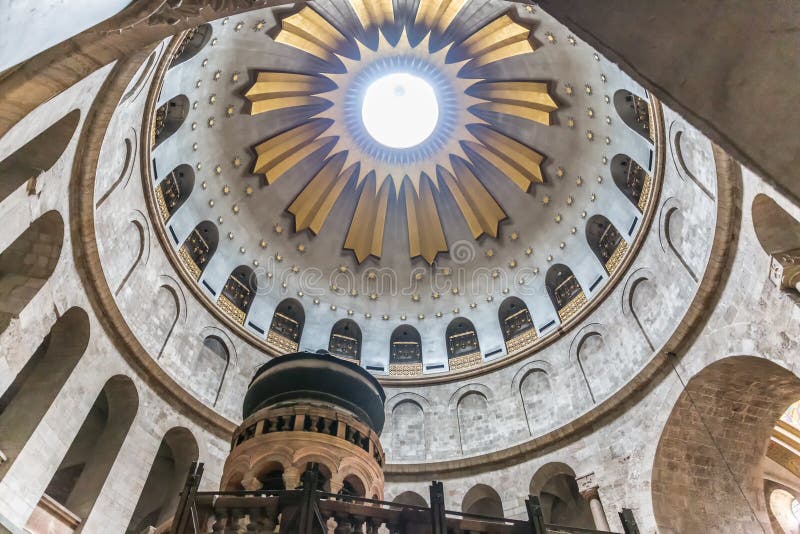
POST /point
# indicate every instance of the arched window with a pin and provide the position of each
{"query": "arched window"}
(27, 399)
(352, 487)
(562, 503)
(173, 190)
(564, 290)
(635, 112)
(516, 324)
(346, 340)
(405, 351)
(38, 155)
(287, 325)
(83, 471)
(191, 44)
(411, 498)
(463, 350)
(159, 497)
(632, 180)
(169, 118)
(606, 242)
(199, 247)
(27, 264)
(238, 292)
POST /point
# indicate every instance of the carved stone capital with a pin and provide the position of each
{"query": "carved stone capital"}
(587, 486)
(784, 269)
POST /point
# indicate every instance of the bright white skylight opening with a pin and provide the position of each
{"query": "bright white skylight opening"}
(400, 110)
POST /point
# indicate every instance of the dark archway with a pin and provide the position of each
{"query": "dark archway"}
(287, 324)
(37, 155)
(634, 112)
(632, 180)
(405, 351)
(345, 340)
(173, 190)
(169, 118)
(565, 291)
(606, 242)
(463, 349)
(193, 42)
(483, 500)
(516, 323)
(238, 293)
(199, 248)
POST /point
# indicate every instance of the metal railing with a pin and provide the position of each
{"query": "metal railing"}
(311, 511)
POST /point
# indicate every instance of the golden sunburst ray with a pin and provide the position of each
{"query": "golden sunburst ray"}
(379, 173)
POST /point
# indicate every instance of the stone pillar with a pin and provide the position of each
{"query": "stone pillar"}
(588, 489)
(291, 478)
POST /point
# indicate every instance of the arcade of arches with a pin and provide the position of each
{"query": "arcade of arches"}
(564, 287)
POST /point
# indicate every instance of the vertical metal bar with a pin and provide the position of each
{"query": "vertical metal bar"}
(535, 516)
(183, 513)
(305, 524)
(628, 521)
(438, 518)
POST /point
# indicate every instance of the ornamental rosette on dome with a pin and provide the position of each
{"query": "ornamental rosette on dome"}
(417, 44)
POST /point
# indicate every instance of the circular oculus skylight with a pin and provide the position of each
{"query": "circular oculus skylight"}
(400, 110)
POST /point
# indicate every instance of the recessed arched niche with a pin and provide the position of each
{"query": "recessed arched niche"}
(199, 247)
(238, 293)
(169, 118)
(565, 291)
(172, 191)
(345, 340)
(634, 112)
(606, 242)
(631, 178)
(463, 349)
(192, 43)
(287, 325)
(516, 323)
(405, 351)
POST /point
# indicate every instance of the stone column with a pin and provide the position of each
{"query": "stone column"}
(588, 489)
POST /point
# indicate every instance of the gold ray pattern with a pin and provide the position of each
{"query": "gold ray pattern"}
(419, 182)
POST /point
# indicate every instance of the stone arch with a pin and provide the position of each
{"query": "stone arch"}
(719, 482)
(642, 298)
(631, 179)
(27, 264)
(167, 300)
(411, 498)
(564, 290)
(345, 340)
(676, 134)
(212, 366)
(36, 386)
(516, 323)
(463, 349)
(472, 412)
(169, 118)
(535, 392)
(82, 473)
(38, 155)
(141, 231)
(238, 293)
(780, 504)
(673, 222)
(131, 148)
(199, 247)
(158, 499)
(558, 493)
(606, 242)
(286, 328)
(483, 500)
(408, 431)
(174, 190)
(405, 351)
(191, 44)
(587, 348)
(634, 112)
